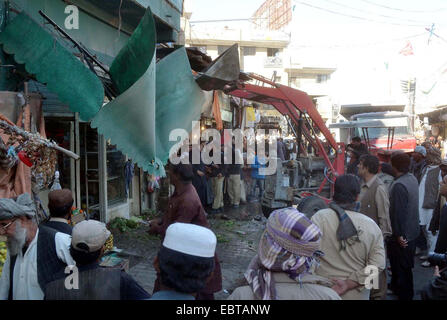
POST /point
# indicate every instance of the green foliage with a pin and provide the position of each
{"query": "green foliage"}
(221, 238)
(229, 224)
(123, 225)
(148, 237)
(149, 214)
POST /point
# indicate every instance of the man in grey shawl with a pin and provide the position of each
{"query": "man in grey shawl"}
(36, 254)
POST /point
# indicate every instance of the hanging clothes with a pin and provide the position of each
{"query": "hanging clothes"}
(128, 174)
(56, 184)
(216, 111)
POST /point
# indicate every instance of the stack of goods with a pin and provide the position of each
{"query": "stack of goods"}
(32, 150)
(77, 215)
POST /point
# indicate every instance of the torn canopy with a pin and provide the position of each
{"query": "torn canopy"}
(136, 57)
(49, 61)
(222, 71)
(164, 98)
(179, 100)
(129, 120)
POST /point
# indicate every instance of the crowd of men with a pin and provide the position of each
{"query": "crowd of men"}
(408, 204)
(230, 181)
(382, 211)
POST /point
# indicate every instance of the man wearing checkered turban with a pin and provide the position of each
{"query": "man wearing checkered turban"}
(283, 267)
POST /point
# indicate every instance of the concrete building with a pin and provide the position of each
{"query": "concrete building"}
(260, 51)
(273, 14)
(264, 48)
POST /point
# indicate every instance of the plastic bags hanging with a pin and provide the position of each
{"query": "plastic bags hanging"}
(56, 184)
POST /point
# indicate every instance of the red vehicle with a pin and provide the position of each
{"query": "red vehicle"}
(382, 132)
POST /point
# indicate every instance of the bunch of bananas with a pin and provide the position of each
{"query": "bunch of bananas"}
(2, 255)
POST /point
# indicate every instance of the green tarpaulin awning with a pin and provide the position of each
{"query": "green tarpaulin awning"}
(155, 100)
(54, 65)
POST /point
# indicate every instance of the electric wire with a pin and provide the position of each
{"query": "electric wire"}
(402, 10)
(369, 44)
(374, 13)
(357, 17)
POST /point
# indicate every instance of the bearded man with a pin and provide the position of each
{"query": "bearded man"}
(36, 254)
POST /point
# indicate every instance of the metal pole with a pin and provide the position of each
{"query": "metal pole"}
(392, 138)
(413, 105)
(73, 41)
(388, 140)
(300, 133)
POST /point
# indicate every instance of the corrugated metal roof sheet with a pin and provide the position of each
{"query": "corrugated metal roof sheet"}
(51, 104)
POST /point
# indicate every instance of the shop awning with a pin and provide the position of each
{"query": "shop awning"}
(179, 99)
(220, 72)
(155, 100)
(53, 65)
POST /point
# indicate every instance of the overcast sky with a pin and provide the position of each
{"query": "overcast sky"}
(357, 36)
(223, 9)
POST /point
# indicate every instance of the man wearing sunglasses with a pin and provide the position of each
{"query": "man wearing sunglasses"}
(36, 254)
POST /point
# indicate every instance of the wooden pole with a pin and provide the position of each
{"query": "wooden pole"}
(6, 125)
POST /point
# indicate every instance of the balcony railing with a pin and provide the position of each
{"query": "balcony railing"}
(208, 31)
(273, 62)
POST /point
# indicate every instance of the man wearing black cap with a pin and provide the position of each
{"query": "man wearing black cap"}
(60, 203)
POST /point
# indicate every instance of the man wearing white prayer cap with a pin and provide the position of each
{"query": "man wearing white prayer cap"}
(185, 261)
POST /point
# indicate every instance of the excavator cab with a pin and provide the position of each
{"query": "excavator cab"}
(379, 135)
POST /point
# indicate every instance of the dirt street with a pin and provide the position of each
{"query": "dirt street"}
(238, 234)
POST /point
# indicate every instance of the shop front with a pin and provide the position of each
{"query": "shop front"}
(104, 181)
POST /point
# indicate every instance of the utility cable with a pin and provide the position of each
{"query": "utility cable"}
(357, 17)
(377, 14)
(403, 10)
(369, 44)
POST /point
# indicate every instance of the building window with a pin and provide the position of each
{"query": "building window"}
(249, 51)
(322, 78)
(295, 82)
(272, 52)
(222, 49)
